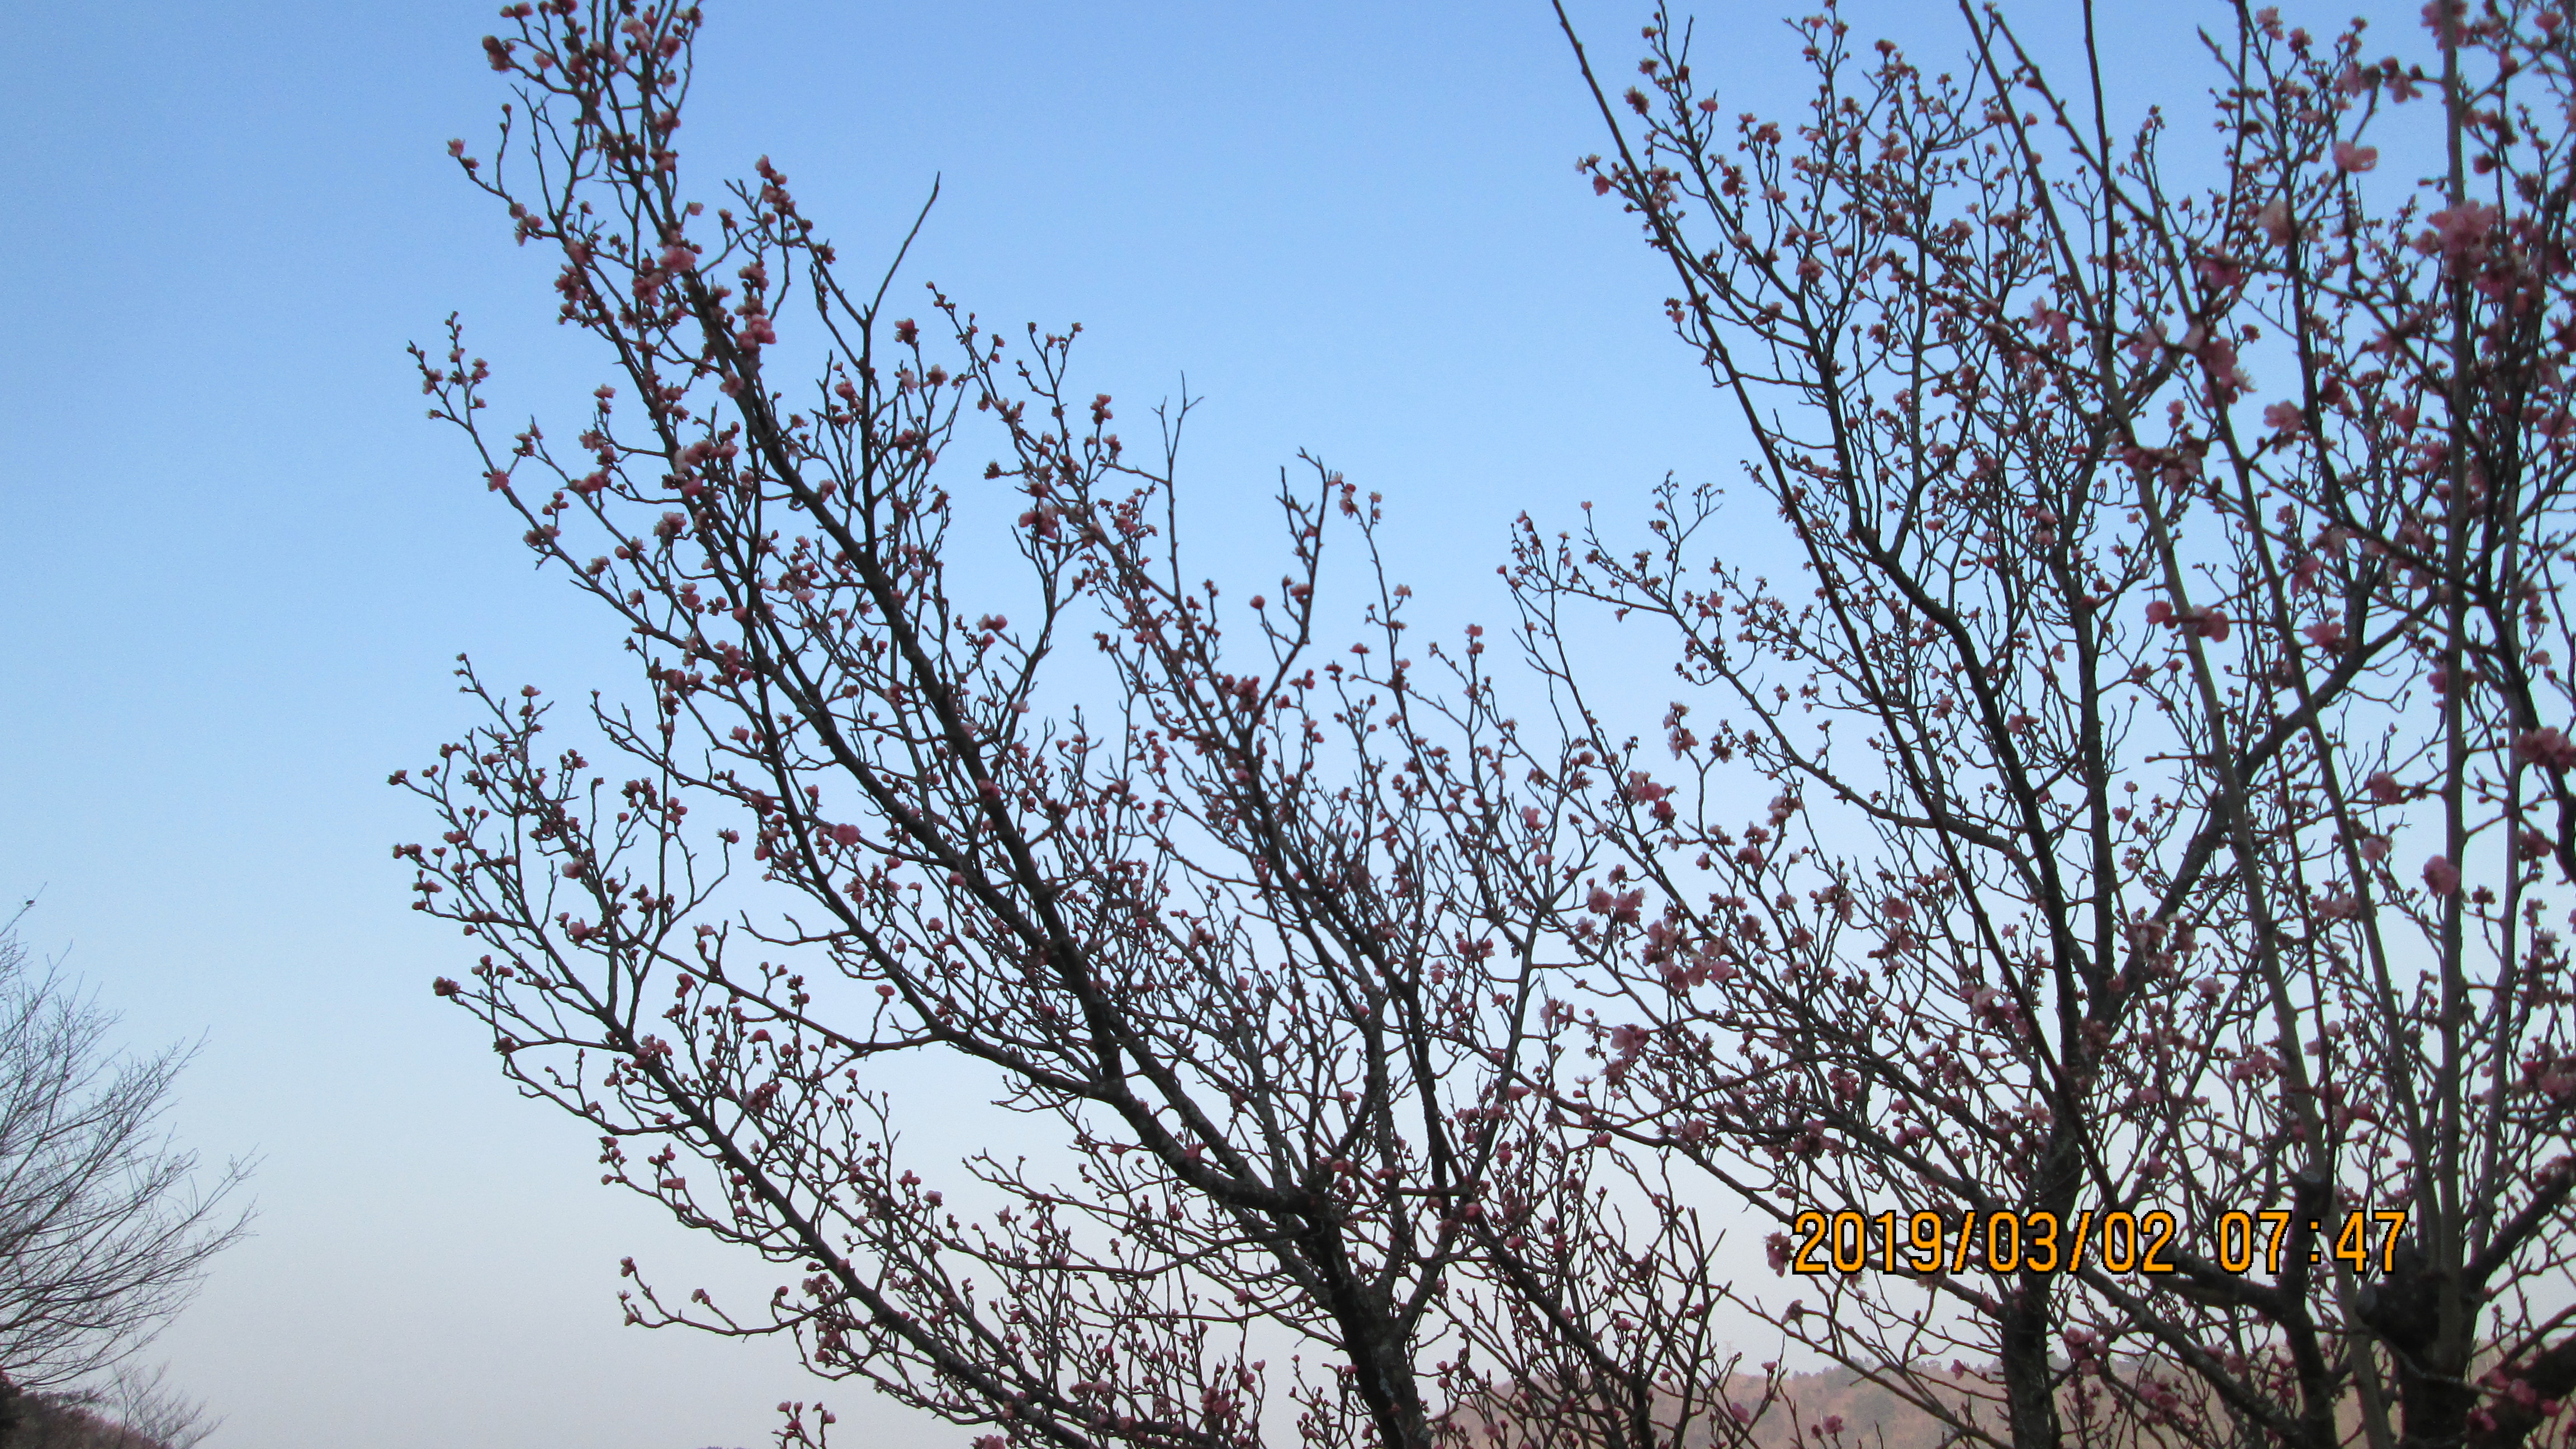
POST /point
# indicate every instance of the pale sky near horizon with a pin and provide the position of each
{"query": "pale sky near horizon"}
(241, 561)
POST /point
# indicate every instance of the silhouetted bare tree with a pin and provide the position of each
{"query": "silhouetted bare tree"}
(105, 1224)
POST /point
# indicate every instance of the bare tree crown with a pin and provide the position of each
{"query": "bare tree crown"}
(105, 1224)
(2163, 730)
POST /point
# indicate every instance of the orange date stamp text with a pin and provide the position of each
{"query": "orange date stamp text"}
(2115, 1241)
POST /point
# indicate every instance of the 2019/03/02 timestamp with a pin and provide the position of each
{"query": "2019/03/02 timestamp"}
(2043, 1242)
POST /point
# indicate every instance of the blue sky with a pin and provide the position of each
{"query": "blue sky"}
(240, 561)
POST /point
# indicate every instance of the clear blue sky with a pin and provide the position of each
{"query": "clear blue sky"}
(239, 560)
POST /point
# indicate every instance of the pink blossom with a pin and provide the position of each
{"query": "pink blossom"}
(2349, 157)
(1776, 1247)
(2277, 222)
(2548, 748)
(2458, 230)
(2384, 788)
(1627, 1041)
(846, 834)
(2440, 876)
(2159, 611)
(2375, 848)
(1660, 939)
(2327, 636)
(2218, 360)
(2054, 321)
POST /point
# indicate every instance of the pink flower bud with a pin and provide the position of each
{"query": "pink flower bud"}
(2440, 876)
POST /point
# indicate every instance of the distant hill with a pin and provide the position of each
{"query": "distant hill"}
(1868, 1415)
(1838, 1409)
